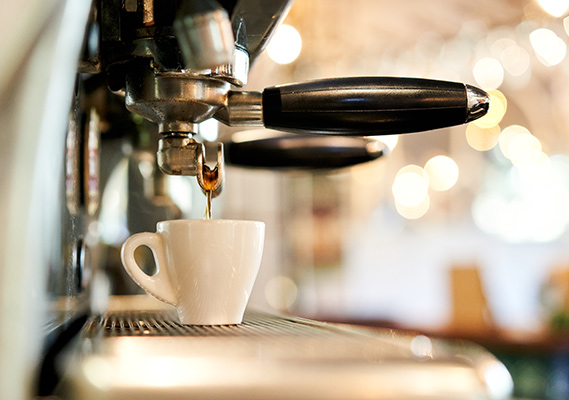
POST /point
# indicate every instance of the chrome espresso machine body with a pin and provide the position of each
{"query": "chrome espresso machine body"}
(80, 77)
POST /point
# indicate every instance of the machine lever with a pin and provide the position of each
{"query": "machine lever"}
(371, 105)
(359, 106)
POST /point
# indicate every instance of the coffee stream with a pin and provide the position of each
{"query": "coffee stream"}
(210, 177)
(208, 196)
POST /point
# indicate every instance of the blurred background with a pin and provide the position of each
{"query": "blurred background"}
(461, 232)
(478, 211)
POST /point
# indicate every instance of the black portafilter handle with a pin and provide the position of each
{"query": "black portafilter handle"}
(367, 106)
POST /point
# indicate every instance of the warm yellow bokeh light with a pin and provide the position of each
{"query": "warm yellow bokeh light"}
(498, 108)
(524, 149)
(281, 292)
(410, 187)
(482, 139)
(555, 8)
(508, 134)
(488, 73)
(414, 169)
(414, 212)
(549, 48)
(285, 45)
(443, 173)
(515, 60)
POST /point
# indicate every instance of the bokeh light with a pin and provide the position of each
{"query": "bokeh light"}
(482, 139)
(411, 185)
(488, 73)
(498, 108)
(528, 202)
(281, 292)
(443, 172)
(560, 164)
(523, 149)
(515, 59)
(507, 135)
(555, 8)
(285, 46)
(525, 209)
(416, 211)
(549, 48)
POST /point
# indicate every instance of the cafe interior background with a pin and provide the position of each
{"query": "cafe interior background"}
(460, 232)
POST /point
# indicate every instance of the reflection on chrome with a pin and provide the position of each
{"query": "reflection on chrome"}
(422, 347)
(478, 102)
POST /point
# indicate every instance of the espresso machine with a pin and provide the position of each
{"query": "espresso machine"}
(86, 80)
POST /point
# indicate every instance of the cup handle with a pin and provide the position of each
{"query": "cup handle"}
(157, 285)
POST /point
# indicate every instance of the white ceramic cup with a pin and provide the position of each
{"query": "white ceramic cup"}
(205, 268)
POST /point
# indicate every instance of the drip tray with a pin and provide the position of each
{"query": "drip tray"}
(150, 355)
(166, 323)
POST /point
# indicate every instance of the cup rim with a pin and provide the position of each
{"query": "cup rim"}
(208, 222)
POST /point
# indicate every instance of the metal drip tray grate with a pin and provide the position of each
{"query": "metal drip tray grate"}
(165, 323)
(134, 354)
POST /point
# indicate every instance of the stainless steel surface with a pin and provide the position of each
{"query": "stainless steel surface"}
(149, 354)
(254, 25)
(177, 126)
(172, 97)
(204, 34)
(178, 155)
(237, 71)
(242, 109)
